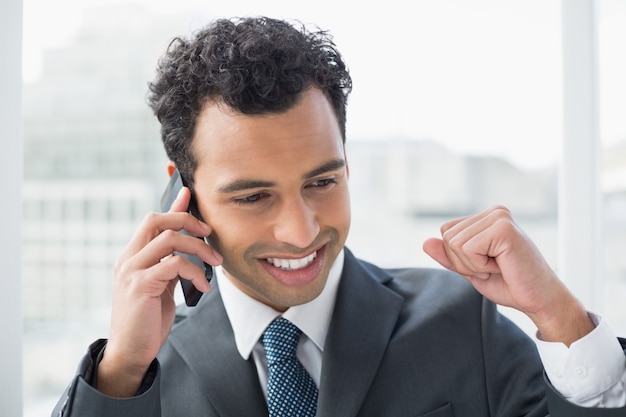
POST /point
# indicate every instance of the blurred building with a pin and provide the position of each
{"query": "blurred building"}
(72, 234)
(422, 178)
(94, 166)
(93, 161)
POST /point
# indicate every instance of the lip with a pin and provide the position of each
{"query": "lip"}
(298, 277)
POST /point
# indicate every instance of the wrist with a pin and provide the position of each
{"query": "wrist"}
(565, 322)
(117, 379)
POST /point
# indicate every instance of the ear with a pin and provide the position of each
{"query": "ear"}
(171, 167)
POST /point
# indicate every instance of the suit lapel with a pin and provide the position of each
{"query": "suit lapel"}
(365, 314)
(363, 320)
(230, 383)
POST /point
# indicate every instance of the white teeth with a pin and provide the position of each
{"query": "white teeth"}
(290, 264)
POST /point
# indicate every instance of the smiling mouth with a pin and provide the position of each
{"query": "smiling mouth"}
(292, 264)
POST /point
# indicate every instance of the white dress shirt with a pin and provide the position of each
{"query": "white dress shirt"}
(590, 373)
(250, 317)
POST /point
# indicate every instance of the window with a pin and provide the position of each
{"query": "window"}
(483, 125)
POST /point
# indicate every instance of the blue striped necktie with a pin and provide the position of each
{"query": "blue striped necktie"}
(290, 389)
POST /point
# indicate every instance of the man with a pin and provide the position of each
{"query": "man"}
(253, 116)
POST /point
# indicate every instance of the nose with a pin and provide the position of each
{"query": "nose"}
(296, 224)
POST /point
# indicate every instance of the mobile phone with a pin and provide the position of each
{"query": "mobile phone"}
(192, 295)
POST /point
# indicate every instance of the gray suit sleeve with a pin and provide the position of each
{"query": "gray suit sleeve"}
(559, 406)
(82, 399)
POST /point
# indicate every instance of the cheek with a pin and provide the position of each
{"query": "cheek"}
(226, 230)
(346, 211)
(233, 234)
(337, 208)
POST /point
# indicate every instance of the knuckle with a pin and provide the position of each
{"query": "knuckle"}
(177, 262)
(168, 239)
(179, 266)
(505, 225)
(168, 234)
(124, 274)
(455, 244)
(118, 266)
(501, 211)
(152, 218)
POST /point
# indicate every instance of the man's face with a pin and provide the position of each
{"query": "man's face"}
(274, 188)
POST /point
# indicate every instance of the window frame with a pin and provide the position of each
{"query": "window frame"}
(12, 163)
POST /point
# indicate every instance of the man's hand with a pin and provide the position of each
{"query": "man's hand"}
(143, 305)
(502, 263)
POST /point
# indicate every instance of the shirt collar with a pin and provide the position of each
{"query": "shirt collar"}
(249, 317)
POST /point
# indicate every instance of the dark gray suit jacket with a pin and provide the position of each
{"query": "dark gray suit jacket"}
(403, 342)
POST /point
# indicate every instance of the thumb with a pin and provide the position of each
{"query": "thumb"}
(435, 249)
(181, 203)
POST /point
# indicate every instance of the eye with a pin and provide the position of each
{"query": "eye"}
(250, 199)
(325, 182)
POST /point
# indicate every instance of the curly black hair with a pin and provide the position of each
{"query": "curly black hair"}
(254, 65)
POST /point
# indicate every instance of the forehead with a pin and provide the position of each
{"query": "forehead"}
(228, 144)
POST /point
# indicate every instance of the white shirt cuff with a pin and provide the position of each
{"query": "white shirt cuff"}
(589, 368)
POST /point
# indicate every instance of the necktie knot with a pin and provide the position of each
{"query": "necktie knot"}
(280, 340)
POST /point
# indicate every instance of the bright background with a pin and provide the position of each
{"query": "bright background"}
(493, 64)
(456, 105)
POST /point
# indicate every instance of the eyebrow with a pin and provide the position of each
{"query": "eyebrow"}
(246, 184)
